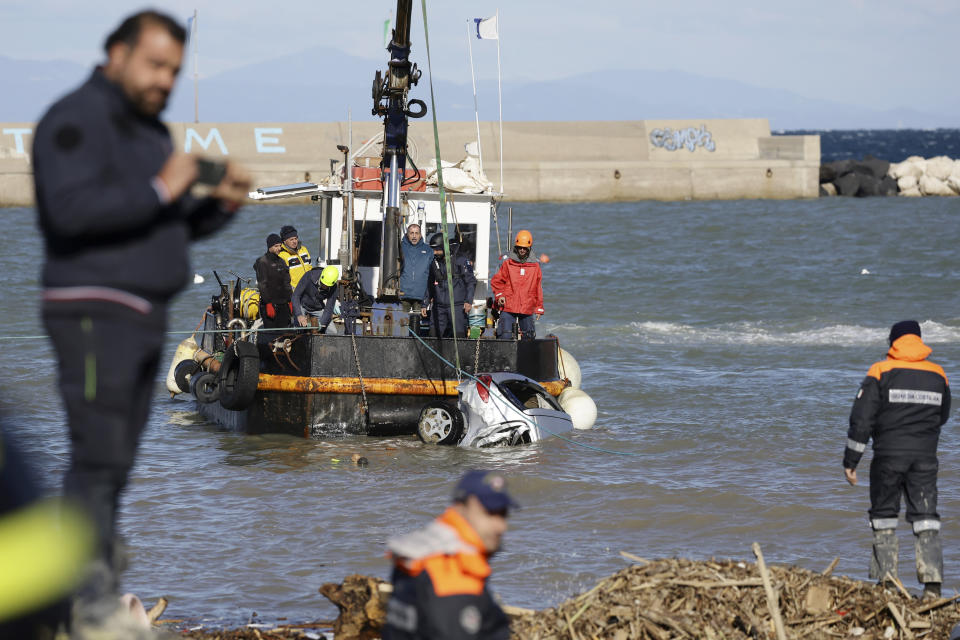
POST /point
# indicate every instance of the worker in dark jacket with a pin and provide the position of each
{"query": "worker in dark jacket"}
(901, 404)
(273, 281)
(517, 291)
(116, 216)
(437, 296)
(440, 572)
(316, 296)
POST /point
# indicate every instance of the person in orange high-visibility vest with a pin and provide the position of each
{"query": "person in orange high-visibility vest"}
(440, 572)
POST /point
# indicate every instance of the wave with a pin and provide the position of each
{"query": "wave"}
(760, 333)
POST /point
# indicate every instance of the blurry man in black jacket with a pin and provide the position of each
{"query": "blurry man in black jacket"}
(117, 219)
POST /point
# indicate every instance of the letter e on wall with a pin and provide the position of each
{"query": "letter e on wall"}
(268, 144)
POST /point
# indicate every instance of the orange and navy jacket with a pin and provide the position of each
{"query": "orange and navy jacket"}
(518, 284)
(901, 404)
(440, 585)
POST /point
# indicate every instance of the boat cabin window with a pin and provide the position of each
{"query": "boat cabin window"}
(368, 236)
(468, 237)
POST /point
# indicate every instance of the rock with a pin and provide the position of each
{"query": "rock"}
(827, 173)
(940, 168)
(869, 185)
(848, 185)
(878, 168)
(954, 183)
(907, 182)
(931, 186)
(828, 189)
(912, 166)
(841, 167)
(912, 192)
(888, 186)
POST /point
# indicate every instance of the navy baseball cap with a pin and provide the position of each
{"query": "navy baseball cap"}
(490, 489)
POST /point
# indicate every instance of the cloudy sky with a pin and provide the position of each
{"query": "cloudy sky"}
(873, 53)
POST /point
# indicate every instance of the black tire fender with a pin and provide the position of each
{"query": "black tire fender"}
(440, 423)
(182, 373)
(204, 387)
(239, 375)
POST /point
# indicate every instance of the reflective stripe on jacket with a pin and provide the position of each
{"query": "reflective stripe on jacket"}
(901, 404)
(297, 261)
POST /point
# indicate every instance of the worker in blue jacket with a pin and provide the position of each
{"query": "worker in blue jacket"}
(437, 297)
(417, 256)
(316, 296)
(117, 219)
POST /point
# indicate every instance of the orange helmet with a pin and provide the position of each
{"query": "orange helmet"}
(524, 239)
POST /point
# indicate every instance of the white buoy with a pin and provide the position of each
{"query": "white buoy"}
(580, 406)
(864, 272)
(569, 368)
(185, 351)
(197, 278)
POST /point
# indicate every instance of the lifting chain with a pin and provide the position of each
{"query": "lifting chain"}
(476, 357)
(363, 390)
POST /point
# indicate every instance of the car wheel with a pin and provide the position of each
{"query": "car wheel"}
(440, 423)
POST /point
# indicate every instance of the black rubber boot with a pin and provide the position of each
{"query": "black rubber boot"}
(885, 554)
(929, 558)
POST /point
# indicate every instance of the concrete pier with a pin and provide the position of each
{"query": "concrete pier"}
(561, 161)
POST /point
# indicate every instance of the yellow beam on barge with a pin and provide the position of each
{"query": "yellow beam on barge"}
(382, 386)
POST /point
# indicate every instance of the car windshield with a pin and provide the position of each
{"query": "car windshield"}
(529, 395)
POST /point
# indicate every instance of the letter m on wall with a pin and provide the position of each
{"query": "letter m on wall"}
(212, 136)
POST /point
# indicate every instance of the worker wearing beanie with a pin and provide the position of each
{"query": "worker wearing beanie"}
(901, 404)
(294, 254)
(273, 281)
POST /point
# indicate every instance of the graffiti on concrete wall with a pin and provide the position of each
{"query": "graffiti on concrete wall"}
(689, 138)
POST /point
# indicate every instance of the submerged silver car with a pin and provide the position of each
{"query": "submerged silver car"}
(494, 410)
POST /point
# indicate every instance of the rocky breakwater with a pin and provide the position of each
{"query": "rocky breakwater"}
(914, 177)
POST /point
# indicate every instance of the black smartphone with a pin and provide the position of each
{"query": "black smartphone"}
(210, 172)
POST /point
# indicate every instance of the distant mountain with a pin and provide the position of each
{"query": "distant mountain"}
(319, 84)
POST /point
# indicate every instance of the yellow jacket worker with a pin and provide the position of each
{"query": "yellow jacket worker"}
(294, 254)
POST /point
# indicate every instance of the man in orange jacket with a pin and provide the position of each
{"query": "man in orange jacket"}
(901, 405)
(440, 572)
(517, 290)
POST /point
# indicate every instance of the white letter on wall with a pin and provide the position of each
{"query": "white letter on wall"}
(214, 135)
(18, 137)
(263, 141)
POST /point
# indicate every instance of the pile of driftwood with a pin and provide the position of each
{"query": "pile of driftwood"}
(666, 599)
(677, 598)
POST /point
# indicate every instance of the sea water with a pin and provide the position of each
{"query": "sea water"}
(723, 343)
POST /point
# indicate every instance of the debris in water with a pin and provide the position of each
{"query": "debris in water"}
(197, 278)
(864, 272)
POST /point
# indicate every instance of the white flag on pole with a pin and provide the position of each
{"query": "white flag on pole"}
(487, 28)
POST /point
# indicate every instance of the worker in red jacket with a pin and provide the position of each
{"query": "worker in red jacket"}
(517, 290)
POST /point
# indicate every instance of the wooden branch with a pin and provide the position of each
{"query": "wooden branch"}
(157, 610)
(936, 604)
(900, 621)
(630, 556)
(833, 565)
(771, 596)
